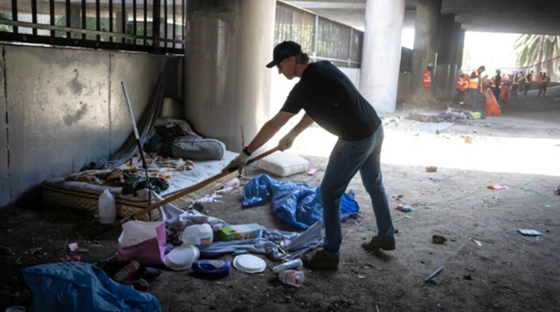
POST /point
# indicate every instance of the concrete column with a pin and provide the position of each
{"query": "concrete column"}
(458, 41)
(381, 53)
(444, 71)
(227, 85)
(425, 39)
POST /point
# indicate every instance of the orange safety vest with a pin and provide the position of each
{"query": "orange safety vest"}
(473, 83)
(543, 81)
(427, 78)
(463, 82)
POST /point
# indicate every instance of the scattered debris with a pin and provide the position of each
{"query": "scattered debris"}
(403, 208)
(5, 251)
(73, 246)
(497, 186)
(431, 168)
(477, 242)
(439, 239)
(529, 232)
(468, 139)
(436, 272)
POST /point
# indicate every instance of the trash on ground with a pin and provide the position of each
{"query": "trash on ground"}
(477, 242)
(214, 267)
(182, 257)
(431, 168)
(403, 208)
(529, 232)
(198, 234)
(73, 246)
(292, 277)
(231, 184)
(468, 139)
(497, 186)
(439, 239)
(249, 264)
(436, 272)
(5, 251)
(311, 172)
(292, 264)
(240, 231)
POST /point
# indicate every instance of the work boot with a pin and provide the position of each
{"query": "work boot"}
(376, 244)
(320, 261)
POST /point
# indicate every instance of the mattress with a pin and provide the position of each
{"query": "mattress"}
(68, 191)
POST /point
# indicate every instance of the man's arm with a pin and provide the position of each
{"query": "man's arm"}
(268, 130)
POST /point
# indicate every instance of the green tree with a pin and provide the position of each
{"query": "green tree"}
(536, 50)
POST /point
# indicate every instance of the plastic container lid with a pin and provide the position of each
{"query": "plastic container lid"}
(198, 234)
(182, 257)
(249, 264)
(215, 267)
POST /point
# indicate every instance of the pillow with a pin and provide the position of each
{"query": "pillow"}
(196, 148)
(283, 164)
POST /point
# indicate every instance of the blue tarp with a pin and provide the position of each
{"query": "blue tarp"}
(298, 204)
(78, 286)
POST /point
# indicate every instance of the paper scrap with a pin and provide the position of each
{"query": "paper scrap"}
(529, 232)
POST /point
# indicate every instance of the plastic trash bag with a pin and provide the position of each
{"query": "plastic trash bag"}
(298, 204)
(78, 286)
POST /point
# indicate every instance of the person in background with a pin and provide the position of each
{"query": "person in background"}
(462, 87)
(496, 84)
(331, 100)
(515, 85)
(475, 87)
(528, 80)
(543, 84)
(427, 81)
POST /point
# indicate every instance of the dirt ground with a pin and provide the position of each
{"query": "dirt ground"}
(487, 264)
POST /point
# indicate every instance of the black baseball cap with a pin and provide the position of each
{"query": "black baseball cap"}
(283, 51)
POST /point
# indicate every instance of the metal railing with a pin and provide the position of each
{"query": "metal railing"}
(154, 26)
(320, 37)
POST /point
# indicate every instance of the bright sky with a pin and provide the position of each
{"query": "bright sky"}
(493, 50)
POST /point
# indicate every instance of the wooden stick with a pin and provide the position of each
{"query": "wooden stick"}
(179, 194)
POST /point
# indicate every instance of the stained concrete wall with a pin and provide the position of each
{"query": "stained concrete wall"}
(63, 108)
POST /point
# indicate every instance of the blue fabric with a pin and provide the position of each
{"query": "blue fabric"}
(346, 159)
(78, 286)
(298, 204)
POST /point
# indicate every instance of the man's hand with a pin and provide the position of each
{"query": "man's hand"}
(239, 162)
(287, 141)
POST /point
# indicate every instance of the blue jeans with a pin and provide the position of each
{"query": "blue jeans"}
(347, 158)
(474, 99)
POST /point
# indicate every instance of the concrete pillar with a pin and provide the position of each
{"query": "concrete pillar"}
(227, 84)
(381, 53)
(444, 71)
(425, 39)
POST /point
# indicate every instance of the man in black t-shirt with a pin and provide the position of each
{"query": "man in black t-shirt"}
(329, 98)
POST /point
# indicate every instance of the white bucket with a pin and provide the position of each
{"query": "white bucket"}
(198, 234)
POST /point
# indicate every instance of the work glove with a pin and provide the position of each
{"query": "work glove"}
(239, 162)
(287, 141)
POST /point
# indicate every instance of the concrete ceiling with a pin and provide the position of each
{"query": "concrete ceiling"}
(507, 16)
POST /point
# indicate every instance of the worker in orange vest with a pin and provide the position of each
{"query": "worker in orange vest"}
(427, 81)
(475, 87)
(543, 83)
(462, 86)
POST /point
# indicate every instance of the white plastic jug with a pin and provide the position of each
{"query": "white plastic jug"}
(107, 208)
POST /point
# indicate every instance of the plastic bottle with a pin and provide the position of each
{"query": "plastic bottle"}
(107, 208)
(292, 264)
(233, 183)
(292, 277)
(127, 272)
